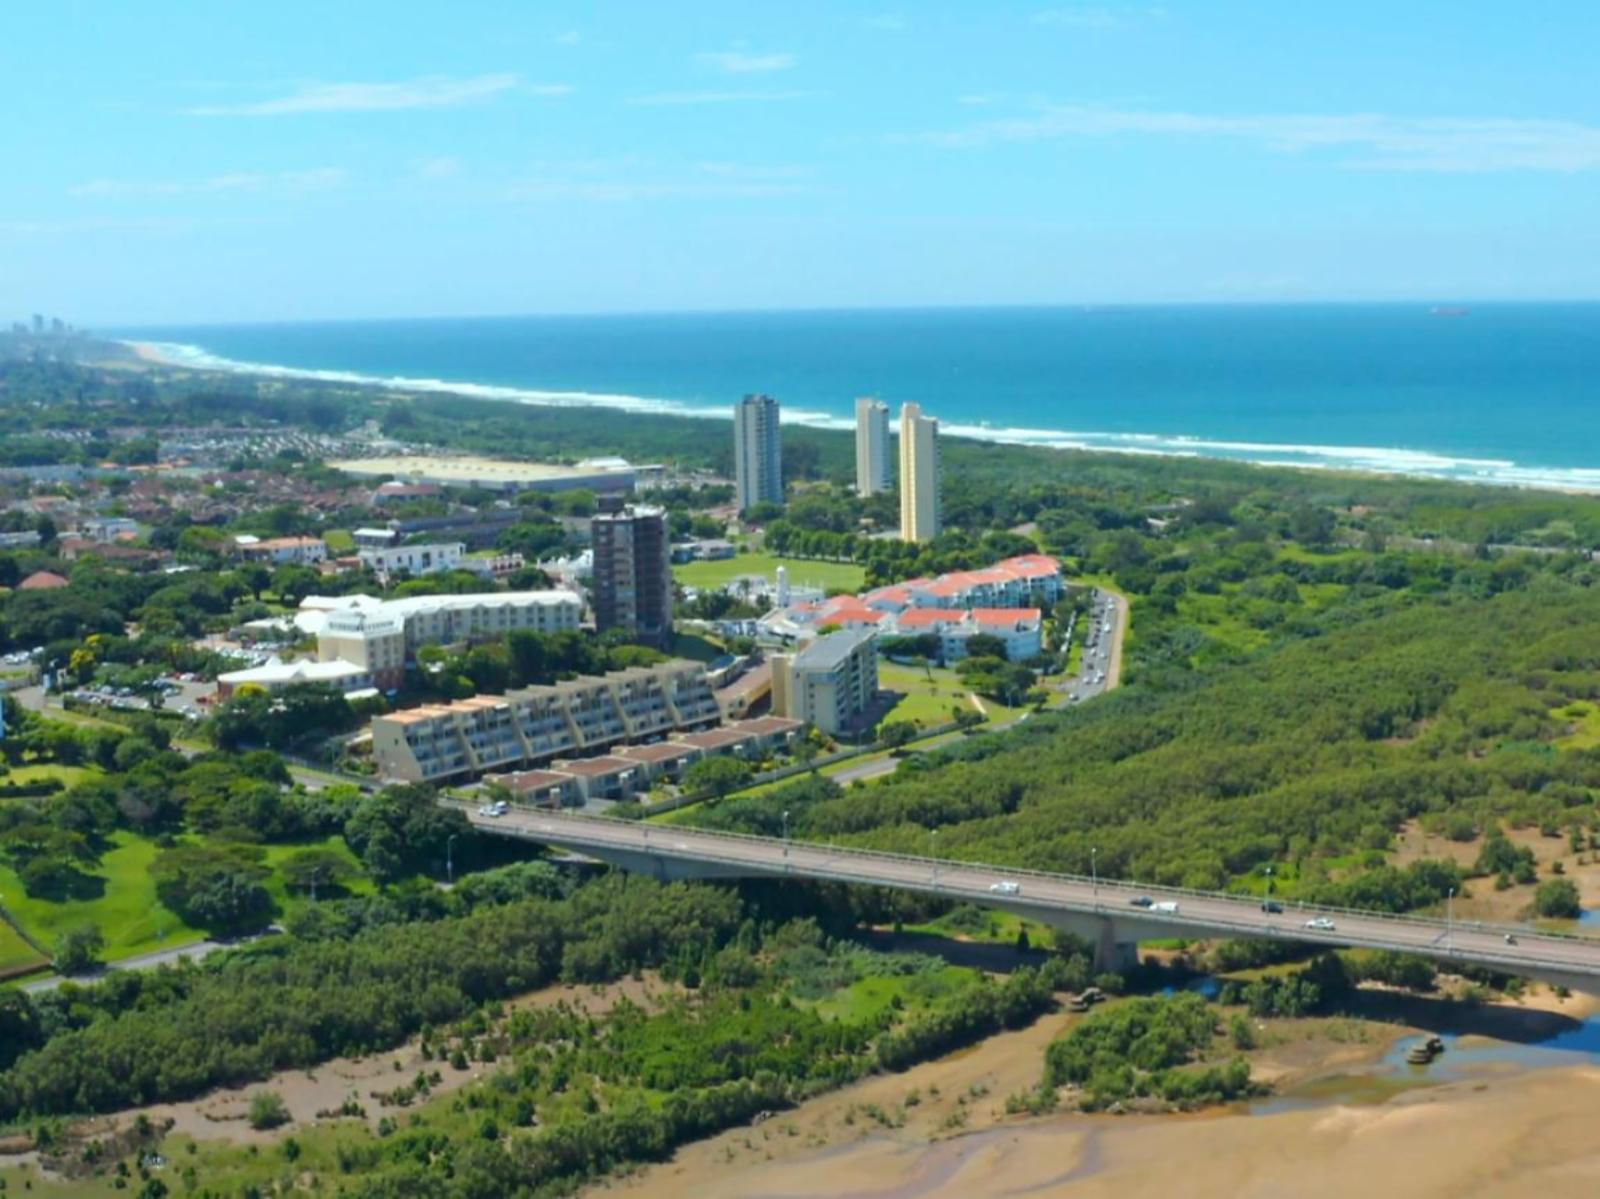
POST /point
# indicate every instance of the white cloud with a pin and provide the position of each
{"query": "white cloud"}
(434, 91)
(1372, 141)
(739, 170)
(317, 179)
(624, 180)
(443, 167)
(740, 62)
(1094, 16)
(661, 99)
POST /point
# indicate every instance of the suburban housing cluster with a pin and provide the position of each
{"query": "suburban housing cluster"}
(1005, 600)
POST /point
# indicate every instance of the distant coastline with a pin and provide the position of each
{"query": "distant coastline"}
(630, 351)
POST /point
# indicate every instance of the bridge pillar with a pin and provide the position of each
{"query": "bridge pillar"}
(1114, 949)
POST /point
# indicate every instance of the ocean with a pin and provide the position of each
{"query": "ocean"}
(1493, 393)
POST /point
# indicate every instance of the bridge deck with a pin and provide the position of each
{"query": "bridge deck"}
(1534, 954)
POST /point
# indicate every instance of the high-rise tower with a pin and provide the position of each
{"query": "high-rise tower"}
(757, 452)
(632, 583)
(872, 446)
(919, 475)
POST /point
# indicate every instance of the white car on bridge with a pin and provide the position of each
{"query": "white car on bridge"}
(1006, 887)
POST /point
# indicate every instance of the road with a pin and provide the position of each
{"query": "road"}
(195, 950)
(1101, 668)
(1574, 960)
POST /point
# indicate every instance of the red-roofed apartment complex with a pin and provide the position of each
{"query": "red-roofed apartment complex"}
(1005, 600)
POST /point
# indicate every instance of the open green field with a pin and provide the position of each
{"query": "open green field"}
(967, 923)
(843, 576)
(340, 541)
(696, 647)
(69, 775)
(361, 885)
(930, 694)
(1584, 717)
(869, 997)
(128, 912)
(15, 952)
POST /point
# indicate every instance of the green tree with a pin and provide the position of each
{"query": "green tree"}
(317, 869)
(79, 950)
(268, 1110)
(719, 775)
(1557, 898)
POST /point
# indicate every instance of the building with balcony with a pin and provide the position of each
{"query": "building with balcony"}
(381, 636)
(831, 683)
(589, 714)
(631, 585)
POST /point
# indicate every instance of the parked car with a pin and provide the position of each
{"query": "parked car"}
(1005, 887)
(1320, 924)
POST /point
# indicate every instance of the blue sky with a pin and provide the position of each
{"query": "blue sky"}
(195, 162)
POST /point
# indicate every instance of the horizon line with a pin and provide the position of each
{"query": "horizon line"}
(821, 309)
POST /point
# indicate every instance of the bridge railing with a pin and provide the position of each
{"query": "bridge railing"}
(658, 838)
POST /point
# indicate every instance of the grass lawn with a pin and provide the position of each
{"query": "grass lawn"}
(802, 572)
(1295, 552)
(1584, 718)
(15, 952)
(990, 925)
(130, 916)
(360, 885)
(128, 913)
(340, 541)
(69, 775)
(929, 694)
(696, 647)
(866, 998)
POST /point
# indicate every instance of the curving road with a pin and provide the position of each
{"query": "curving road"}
(1070, 900)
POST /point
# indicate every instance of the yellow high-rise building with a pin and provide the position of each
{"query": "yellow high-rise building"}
(919, 475)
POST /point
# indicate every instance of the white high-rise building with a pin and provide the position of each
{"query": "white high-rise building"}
(757, 452)
(919, 475)
(872, 446)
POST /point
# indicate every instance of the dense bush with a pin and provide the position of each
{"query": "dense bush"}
(301, 1003)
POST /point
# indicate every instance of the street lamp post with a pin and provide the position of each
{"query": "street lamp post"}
(1449, 921)
(786, 838)
(933, 852)
(1094, 873)
(449, 859)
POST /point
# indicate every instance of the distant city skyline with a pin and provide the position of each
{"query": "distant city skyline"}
(174, 163)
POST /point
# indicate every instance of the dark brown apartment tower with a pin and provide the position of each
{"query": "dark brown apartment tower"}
(632, 584)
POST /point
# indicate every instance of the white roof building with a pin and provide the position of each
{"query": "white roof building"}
(275, 674)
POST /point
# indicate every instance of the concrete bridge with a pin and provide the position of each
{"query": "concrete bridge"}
(1101, 911)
